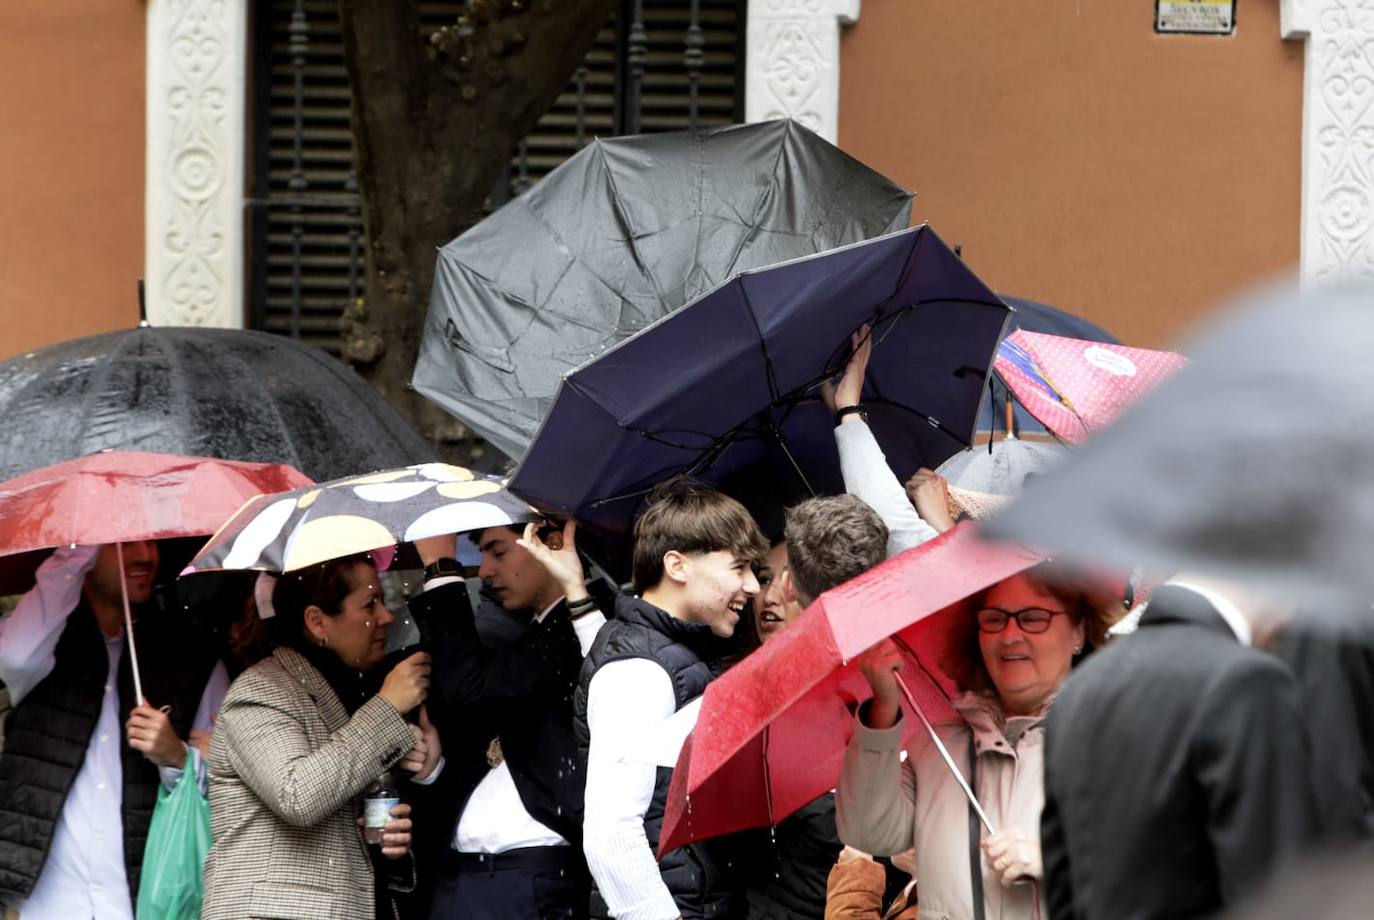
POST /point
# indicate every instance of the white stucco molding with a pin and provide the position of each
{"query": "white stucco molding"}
(792, 61)
(1337, 134)
(193, 223)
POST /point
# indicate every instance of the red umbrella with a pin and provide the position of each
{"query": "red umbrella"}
(1075, 387)
(773, 729)
(119, 497)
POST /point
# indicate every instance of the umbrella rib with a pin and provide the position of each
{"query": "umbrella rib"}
(1011, 394)
(762, 200)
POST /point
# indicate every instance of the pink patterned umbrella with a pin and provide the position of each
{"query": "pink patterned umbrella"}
(1075, 387)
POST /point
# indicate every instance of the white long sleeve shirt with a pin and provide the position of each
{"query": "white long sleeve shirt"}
(625, 700)
(84, 872)
(868, 478)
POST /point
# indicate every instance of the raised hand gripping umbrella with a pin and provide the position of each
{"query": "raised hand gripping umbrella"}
(1076, 387)
(121, 497)
(623, 233)
(360, 514)
(727, 387)
(772, 730)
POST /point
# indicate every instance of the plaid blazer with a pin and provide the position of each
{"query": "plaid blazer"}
(287, 769)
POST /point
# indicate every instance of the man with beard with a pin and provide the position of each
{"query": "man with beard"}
(694, 555)
(77, 801)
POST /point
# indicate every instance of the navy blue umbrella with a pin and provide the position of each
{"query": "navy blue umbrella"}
(727, 388)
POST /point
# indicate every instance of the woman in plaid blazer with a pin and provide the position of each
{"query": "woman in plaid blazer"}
(298, 740)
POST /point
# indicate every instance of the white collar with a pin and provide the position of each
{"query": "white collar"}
(1227, 610)
(547, 610)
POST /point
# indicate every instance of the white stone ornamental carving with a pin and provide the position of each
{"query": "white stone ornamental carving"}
(197, 70)
(792, 61)
(1337, 134)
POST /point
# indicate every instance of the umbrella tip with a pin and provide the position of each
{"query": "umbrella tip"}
(142, 306)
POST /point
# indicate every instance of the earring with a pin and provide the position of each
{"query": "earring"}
(1077, 649)
(324, 642)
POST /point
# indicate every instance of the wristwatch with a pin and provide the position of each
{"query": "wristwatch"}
(857, 409)
(579, 609)
(444, 567)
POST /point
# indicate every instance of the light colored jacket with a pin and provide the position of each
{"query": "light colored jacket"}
(884, 806)
(287, 769)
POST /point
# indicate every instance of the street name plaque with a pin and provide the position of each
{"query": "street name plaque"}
(1195, 17)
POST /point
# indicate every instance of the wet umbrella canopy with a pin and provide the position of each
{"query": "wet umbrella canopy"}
(725, 389)
(620, 235)
(223, 393)
(1033, 316)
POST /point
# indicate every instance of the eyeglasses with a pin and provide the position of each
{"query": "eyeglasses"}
(1028, 619)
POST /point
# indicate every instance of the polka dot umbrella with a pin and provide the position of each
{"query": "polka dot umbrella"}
(293, 530)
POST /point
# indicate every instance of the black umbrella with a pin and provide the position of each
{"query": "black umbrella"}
(623, 233)
(224, 393)
(1252, 463)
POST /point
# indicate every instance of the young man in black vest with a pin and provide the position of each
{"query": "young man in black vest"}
(510, 788)
(77, 800)
(694, 557)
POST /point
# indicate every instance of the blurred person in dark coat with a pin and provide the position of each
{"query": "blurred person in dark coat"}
(1177, 766)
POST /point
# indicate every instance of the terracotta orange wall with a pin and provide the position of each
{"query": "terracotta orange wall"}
(71, 168)
(1079, 158)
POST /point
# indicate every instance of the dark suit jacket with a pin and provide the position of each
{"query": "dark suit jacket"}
(509, 678)
(1176, 771)
(1334, 664)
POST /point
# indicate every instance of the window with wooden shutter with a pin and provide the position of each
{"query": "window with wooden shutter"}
(305, 226)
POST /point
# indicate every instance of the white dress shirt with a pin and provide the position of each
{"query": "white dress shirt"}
(1223, 606)
(84, 872)
(626, 700)
(83, 875)
(494, 819)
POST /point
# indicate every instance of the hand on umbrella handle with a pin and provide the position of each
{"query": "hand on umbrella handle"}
(1014, 855)
(879, 665)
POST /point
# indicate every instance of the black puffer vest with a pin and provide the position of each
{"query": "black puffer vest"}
(47, 734)
(699, 875)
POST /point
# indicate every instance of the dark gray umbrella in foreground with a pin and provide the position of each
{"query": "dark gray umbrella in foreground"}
(1255, 462)
(622, 234)
(231, 394)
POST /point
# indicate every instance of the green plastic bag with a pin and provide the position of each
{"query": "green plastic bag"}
(172, 885)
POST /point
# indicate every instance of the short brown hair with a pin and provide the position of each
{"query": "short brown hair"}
(831, 540)
(690, 517)
(1084, 599)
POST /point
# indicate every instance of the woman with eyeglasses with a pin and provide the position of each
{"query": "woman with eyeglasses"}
(1008, 657)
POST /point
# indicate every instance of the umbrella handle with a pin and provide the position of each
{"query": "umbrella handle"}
(944, 752)
(129, 627)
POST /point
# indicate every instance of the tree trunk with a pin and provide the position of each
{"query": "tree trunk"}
(434, 125)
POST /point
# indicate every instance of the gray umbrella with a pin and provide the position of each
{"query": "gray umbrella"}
(1255, 462)
(1002, 468)
(622, 234)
